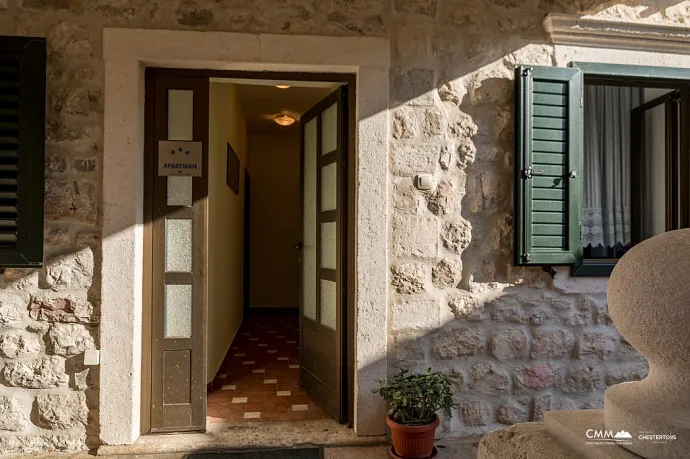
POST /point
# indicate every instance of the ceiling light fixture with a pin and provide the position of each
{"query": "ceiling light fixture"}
(284, 119)
(282, 86)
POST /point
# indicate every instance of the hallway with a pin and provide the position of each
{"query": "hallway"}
(259, 378)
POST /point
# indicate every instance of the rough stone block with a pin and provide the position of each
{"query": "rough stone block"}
(413, 86)
(62, 411)
(509, 314)
(71, 272)
(65, 310)
(409, 160)
(411, 315)
(71, 200)
(456, 235)
(68, 40)
(406, 198)
(19, 343)
(408, 348)
(598, 343)
(461, 125)
(432, 123)
(467, 153)
(488, 378)
(627, 372)
(412, 45)
(541, 316)
(12, 415)
(76, 101)
(509, 344)
(32, 444)
(415, 236)
(405, 124)
(539, 376)
(583, 377)
(476, 413)
(540, 405)
(408, 277)
(41, 373)
(446, 198)
(69, 340)
(447, 274)
(466, 307)
(85, 164)
(487, 192)
(551, 342)
(190, 13)
(13, 308)
(510, 414)
(458, 342)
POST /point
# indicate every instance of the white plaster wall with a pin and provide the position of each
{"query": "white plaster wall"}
(126, 53)
(123, 239)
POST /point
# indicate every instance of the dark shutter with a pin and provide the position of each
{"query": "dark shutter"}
(22, 150)
(548, 165)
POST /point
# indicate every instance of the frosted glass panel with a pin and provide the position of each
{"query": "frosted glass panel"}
(309, 234)
(329, 129)
(180, 114)
(328, 245)
(178, 245)
(177, 322)
(329, 301)
(329, 183)
(179, 191)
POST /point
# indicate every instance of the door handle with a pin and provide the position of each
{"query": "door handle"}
(298, 246)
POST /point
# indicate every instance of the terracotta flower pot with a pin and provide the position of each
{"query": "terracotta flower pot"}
(413, 442)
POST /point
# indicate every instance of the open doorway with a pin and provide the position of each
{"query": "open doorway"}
(249, 311)
(254, 371)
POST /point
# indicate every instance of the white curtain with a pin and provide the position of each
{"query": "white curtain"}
(607, 165)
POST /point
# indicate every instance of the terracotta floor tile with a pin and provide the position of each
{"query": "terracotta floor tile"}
(276, 334)
(316, 412)
(300, 398)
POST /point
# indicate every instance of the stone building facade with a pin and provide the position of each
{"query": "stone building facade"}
(521, 341)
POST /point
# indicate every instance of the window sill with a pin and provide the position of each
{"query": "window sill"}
(591, 268)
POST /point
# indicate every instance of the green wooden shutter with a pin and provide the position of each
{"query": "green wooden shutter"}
(548, 165)
(22, 150)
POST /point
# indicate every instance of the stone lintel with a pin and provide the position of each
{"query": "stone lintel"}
(569, 429)
(578, 30)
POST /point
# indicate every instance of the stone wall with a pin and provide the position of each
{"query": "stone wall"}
(521, 342)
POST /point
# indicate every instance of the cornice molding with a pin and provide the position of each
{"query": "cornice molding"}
(575, 30)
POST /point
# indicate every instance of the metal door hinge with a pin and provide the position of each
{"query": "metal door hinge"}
(525, 257)
(530, 172)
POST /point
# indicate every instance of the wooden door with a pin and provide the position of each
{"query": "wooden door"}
(322, 295)
(178, 252)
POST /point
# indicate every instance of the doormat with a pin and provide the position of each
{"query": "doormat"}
(285, 453)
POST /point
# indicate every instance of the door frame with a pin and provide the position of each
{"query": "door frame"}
(349, 274)
(121, 273)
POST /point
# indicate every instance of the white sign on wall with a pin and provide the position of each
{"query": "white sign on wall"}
(177, 157)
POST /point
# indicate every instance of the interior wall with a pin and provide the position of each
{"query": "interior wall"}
(225, 223)
(274, 168)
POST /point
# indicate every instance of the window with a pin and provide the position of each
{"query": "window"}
(22, 150)
(601, 162)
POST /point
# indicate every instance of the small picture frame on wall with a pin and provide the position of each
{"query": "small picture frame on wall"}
(233, 174)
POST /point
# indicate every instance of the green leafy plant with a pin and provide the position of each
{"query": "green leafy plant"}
(414, 399)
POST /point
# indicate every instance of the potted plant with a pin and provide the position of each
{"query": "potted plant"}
(413, 400)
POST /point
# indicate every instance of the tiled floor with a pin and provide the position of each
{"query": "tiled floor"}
(260, 375)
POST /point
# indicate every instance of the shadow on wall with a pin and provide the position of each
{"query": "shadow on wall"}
(451, 113)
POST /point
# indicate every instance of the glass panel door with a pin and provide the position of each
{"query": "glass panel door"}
(178, 361)
(322, 276)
